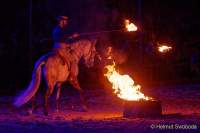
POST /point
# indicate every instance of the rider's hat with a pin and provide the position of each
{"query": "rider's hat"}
(58, 18)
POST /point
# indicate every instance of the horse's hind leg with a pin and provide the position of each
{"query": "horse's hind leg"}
(58, 87)
(33, 100)
(32, 108)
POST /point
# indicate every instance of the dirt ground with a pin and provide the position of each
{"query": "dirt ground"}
(180, 108)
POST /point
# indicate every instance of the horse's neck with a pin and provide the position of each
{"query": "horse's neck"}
(78, 50)
(76, 55)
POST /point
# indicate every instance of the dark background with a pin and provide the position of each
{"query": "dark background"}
(24, 38)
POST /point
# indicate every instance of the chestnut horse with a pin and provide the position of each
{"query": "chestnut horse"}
(50, 67)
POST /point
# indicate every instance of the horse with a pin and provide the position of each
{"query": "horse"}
(50, 68)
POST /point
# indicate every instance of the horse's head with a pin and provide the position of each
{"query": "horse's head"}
(89, 53)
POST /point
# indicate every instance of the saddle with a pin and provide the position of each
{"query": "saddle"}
(64, 61)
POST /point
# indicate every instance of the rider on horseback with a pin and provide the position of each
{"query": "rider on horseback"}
(62, 43)
(59, 66)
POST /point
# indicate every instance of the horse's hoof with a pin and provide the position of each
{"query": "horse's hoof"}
(72, 107)
(46, 113)
(30, 112)
(84, 108)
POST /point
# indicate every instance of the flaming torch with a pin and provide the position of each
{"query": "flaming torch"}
(164, 48)
(130, 26)
(136, 104)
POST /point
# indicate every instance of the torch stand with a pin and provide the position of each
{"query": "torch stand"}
(143, 108)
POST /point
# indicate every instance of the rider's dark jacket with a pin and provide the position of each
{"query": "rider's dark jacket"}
(61, 35)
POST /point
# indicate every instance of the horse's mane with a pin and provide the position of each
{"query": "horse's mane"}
(80, 45)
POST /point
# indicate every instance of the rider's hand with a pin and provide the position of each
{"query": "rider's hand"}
(75, 35)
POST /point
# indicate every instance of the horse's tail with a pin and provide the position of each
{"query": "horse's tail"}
(33, 85)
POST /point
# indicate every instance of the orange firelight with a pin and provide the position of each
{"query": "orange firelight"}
(123, 85)
(130, 26)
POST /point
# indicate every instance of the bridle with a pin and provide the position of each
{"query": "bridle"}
(89, 54)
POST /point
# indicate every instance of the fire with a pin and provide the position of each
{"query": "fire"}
(130, 26)
(123, 85)
(164, 48)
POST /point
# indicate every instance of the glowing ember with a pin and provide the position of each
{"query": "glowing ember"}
(130, 26)
(164, 48)
(123, 85)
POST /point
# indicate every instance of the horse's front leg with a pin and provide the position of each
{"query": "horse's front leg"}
(76, 85)
(30, 111)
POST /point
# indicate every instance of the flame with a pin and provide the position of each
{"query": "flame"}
(123, 85)
(164, 48)
(130, 26)
(109, 52)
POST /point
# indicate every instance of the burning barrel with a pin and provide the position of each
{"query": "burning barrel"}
(142, 108)
(136, 104)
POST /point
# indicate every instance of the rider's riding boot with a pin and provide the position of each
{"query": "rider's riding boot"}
(59, 55)
(62, 59)
(72, 78)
